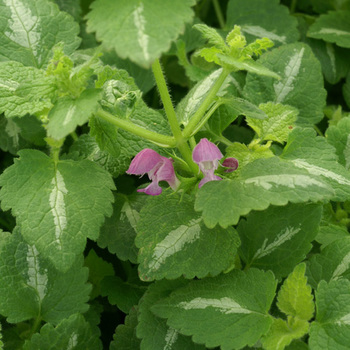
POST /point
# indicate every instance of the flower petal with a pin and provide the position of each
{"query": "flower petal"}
(206, 151)
(152, 189)
(144, 162)
(231, 164)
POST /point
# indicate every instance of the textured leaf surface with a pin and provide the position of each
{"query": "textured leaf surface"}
(132, 27)
(276, 127)
(119, 231)
(278, 238)
(295, 63)
(155, 333)
(262, 18)
(295, 296)
(49, 199)
(339, 137)
(30, 29)
(120, 293)
(124, 337)
(173, 241)
(238, 302)
(68, 113)
(332, 263)
(333, 27)
(73, 332)
(329, 233)
(332, 325)
(31, 286)
(24, 90)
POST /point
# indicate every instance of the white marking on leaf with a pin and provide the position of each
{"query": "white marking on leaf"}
(170, 338)
(346, 153)
(316, 170)
(342, 267)
(287, 180)
(174, 242)
(24, 26)
(344, 321)
(73, 341)
(69, 115)
(284, 236)
(332, 31)
(224, 305)
(36, 279)
(58, 206)
(131, 214)
(260, 32)
(13, 130)
(142, 37)
(286, 85)
(331, 55)
(9, 84)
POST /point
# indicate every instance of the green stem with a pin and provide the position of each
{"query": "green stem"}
(293, 6)
(36, 325)
(219, 14)
(181, 142)
(163, 140)
(196, 118)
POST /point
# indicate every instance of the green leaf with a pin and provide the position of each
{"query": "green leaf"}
(332, 263)
(155, 332)
(120, 293)
(47, 197)
(278, 124)
(211, 35)
(132, 27)
(119, 231)
(86, 147)
(328, 234)
(73, 332)
(68, 113)
(24, 90)
(124, 337)
(333, 27)
(339, 137)
(278, 238)
(281, 333)
(295, 296)
(263, 18)
(346, 90)
(24, 31)
(1, 343)
(173, 241)
(238, 302)
(31, 287)
(332, 318)
(98, 269)
(295, 63)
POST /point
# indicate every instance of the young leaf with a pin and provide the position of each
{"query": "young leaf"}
(154, 332)
(31, 286)
(295, 63)
(124, 337)
(119, 231)
(51, 194)
(68, 113)
(263, 18)
(132, 27)
(173, 241)
(332, 326)
(276, 127)
(330, 233)
(73, 332)
(332, 263)
(24, 31)
(238, 302)
(333, 27)
(295, 296)
(24, 90)
(278, 238)
(339, 137)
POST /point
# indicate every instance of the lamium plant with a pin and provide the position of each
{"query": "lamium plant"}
(175, 174)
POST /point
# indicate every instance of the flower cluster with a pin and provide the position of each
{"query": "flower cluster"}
(206, 154)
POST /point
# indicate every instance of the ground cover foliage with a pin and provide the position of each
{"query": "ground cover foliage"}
(236, 113)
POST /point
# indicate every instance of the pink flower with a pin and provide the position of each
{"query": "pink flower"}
(231, 164)
(157, 167)
(207, 156)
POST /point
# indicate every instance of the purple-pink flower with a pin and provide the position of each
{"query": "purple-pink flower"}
(157, 167)
(207, 155)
